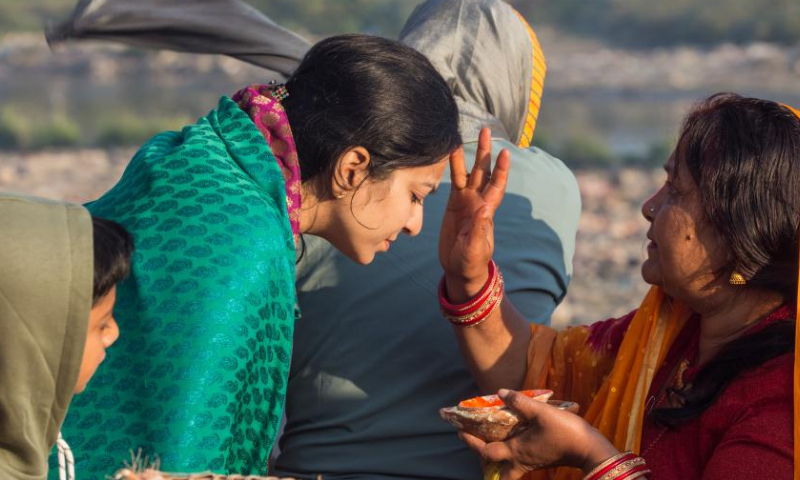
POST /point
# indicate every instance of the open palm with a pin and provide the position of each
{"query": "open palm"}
(466, 241)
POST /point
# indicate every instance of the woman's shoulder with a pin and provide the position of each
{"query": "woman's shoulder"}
(608, 334)
(770, 382)
(753, 413)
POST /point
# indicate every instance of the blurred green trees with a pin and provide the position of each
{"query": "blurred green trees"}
(632, 23)
(648, 23)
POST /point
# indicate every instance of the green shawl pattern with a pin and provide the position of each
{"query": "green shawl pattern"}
(199, 374)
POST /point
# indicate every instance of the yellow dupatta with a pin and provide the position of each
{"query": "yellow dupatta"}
(617, 408)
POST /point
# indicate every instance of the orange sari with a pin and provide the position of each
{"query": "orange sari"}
(612, 380)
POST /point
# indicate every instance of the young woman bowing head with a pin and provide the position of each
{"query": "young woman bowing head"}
(347, 150)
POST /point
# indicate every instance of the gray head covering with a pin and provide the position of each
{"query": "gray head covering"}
(485, 52)
(229, 27)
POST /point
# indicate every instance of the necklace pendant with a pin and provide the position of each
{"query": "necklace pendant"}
(679, 385)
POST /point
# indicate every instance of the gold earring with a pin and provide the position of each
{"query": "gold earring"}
(737, 279)
(343, 194)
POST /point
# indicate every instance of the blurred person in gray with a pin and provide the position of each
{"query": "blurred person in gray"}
(373, 358)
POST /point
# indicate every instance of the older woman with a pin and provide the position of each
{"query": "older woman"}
(698, 381)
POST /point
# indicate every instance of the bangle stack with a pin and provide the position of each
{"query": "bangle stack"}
(623, 466)
(480, 307)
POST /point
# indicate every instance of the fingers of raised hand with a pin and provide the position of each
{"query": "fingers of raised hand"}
(458, 169)
(496, 187)
(482, 170)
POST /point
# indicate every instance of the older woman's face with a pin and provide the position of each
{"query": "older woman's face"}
(684, 252)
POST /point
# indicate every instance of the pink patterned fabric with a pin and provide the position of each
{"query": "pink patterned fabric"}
(262, 104)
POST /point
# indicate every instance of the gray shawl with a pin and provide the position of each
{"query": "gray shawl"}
(229, 27)
(482, 48)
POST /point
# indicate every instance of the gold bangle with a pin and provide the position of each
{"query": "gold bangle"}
(606, 463)
(644, 474)
(623, 467)
(488, 314)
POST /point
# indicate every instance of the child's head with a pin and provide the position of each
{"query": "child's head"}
(113, 246)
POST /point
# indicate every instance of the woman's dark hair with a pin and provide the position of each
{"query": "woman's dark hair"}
(744, 156)
(113, 246)
(361, 90)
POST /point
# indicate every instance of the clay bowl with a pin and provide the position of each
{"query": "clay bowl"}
(488, 418)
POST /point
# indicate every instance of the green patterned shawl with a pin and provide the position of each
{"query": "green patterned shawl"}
(199, 374)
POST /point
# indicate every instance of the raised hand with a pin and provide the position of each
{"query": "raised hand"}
(466, 242)
(553, 438)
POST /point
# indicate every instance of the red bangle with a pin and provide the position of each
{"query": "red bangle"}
(630, 467)
(472, 304)
(608, 465)
(476, 303)
(479, 307)
(481, 314)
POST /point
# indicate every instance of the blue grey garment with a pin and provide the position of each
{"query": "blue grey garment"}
(373, 358)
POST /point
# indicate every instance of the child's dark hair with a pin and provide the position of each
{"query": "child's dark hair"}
(113, 246)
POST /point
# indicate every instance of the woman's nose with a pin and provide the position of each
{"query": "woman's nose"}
(648, 211)
(414, 224)
(113, 334)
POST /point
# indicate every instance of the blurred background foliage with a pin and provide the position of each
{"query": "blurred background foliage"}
(648, 23)
(629, 23)
(623, 129)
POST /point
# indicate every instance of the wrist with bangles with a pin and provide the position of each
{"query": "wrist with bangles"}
(623, 466)
(477, 309)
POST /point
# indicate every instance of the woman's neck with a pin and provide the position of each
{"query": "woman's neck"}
(314, 216)
(725, 321)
